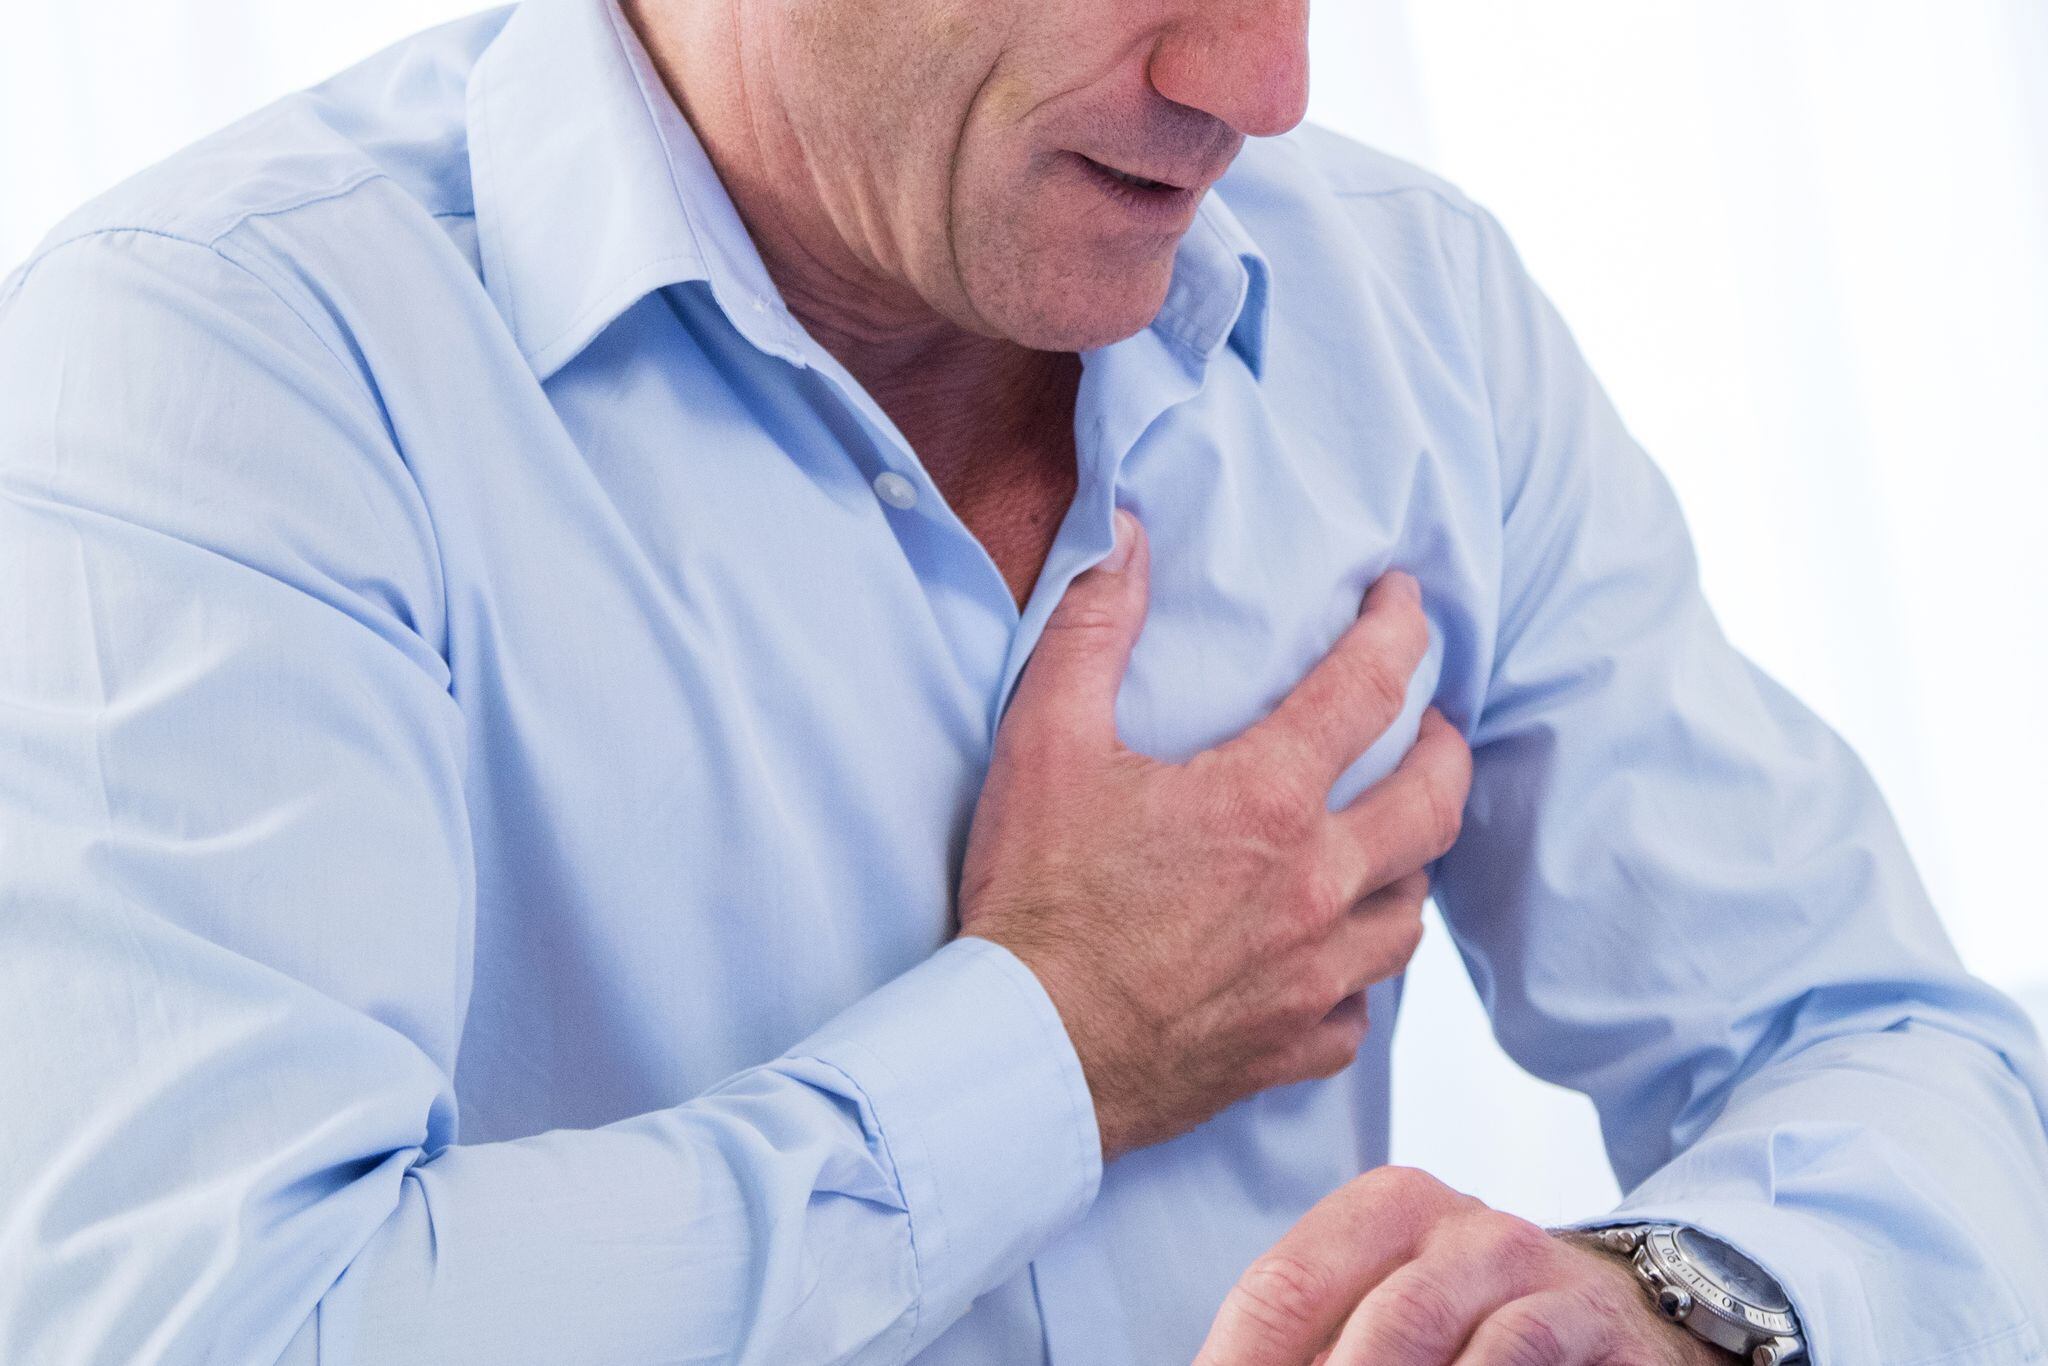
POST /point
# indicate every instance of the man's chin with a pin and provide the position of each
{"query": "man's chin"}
(1085, 334)
(1081, 314)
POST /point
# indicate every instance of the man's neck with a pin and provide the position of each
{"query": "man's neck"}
(959, 397)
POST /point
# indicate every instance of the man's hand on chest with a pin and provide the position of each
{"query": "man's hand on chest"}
(1207, 930)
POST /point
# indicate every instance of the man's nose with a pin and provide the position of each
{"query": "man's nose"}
(1242, 61)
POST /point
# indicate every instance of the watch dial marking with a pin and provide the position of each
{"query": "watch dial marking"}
(1729, 1273)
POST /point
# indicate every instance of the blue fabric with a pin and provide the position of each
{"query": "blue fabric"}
(483, 776)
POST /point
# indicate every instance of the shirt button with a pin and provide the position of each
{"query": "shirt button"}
(895, 490)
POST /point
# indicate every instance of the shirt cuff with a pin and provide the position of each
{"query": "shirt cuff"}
(1798, 1251)
(983, 1110)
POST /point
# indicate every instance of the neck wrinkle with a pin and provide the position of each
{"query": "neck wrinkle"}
(953, 392)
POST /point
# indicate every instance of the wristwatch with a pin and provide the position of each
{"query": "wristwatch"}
(1714, 1291)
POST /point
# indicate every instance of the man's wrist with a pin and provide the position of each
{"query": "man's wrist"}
(1707, 1285)
(1692, 1348)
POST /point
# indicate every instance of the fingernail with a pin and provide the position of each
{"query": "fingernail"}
(1119, 557)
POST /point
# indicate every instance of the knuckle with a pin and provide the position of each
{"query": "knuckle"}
(1524, 1335)
(1422, 1310)
(1315, 900)
(1405, 937)
(1380, 684)
(1409, 1186)
(1411, 890)
(1081, 617)
(1609, 1302)
(1311, 993)
(1383, 964)
(1335, 1054)
(1271, 809)
(1515, 1242)
(1315, 1054)
(1443, 804)
(1281, 1292)
(1372, 868)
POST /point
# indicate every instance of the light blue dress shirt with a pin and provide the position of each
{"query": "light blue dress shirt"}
(490, 714)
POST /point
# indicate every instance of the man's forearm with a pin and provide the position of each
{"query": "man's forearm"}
(1893, 1179)
(844, 1203)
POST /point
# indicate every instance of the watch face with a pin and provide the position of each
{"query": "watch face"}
(1735, 1273)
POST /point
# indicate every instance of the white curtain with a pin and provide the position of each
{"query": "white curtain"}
(1805, 242)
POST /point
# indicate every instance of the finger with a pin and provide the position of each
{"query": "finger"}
(1067, 692)
(1377, 938)
(1353, 693)
(1290, 1303)
(1424, 1312)
(1552, 1328)
(1323, 1050)
(1369, 943)
(1412, 816)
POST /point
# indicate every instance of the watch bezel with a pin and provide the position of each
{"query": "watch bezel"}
(1694, 1300)
(1659, 1248)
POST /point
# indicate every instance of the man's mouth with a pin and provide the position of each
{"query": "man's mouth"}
(1137, 180)
(1131, 179)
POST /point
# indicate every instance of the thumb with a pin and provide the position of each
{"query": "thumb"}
(1068, 689)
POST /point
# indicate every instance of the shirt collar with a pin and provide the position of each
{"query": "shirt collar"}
(592, 192)
(1219, 290)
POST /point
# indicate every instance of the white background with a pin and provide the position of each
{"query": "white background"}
(1805, 243)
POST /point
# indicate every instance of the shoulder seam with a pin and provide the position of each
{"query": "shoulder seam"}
(347, 185)
(354, 181)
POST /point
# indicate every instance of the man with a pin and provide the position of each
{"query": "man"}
(528, 833)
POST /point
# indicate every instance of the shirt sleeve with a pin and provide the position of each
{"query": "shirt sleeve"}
(237, 901)
(1679, 892)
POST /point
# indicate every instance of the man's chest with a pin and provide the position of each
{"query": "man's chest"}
(730, 702)
(1017, 517)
